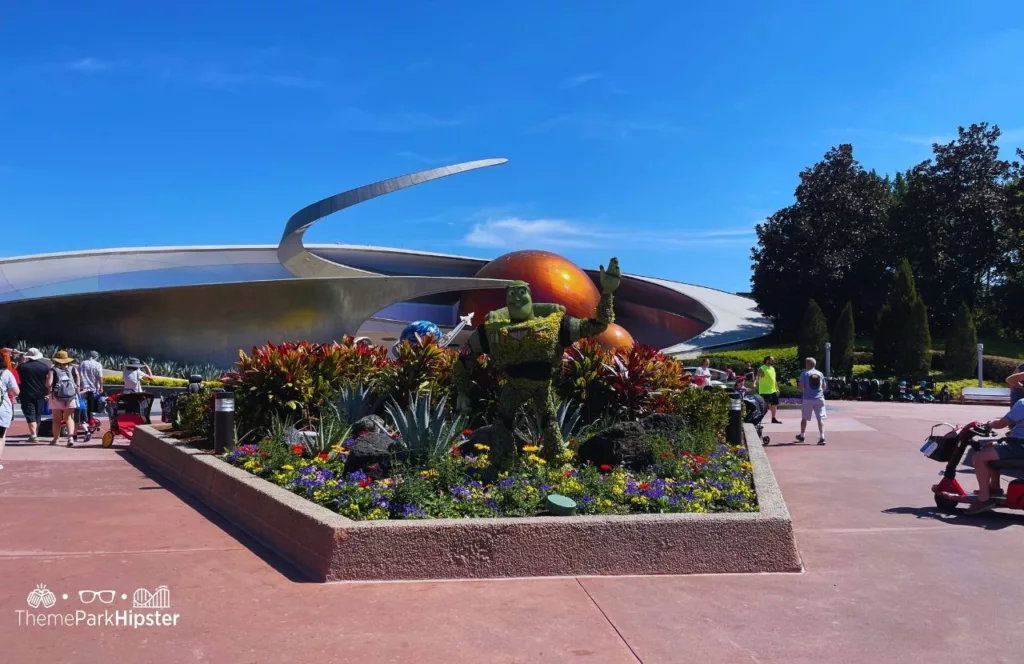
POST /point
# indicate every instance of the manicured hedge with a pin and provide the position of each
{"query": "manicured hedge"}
(161, 382)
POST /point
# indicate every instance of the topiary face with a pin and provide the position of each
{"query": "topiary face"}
(519, 301)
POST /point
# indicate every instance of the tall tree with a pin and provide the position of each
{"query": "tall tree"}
(962, 344)
(813, 334)
(1006, 312)
(843, 337)
(899, 336)
(916, 359)
(949, 216)
(829, 245)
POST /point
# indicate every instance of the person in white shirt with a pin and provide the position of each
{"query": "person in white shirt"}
(133, 374)
(702, 374)
(812, 382)
(8, 391)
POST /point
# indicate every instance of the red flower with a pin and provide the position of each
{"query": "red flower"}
(567, 473)
(701, 459)
(298, 449)
(643, 486)
(264, 454)
(323, 456)
(605, 467)
(365, 483)
(456, 451)
(467, 432)
(395, 435)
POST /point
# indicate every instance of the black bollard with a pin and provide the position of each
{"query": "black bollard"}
(734, 430)
(223, 421)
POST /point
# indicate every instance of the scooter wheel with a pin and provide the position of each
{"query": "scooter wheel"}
(945, 504)
(765, 440)
(108, 439)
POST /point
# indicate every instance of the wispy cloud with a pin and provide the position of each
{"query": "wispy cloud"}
(425, 159)
(220, 77)
(599, 127)
(514, 232)
(357, 119)
(581, 79)
(88, 65)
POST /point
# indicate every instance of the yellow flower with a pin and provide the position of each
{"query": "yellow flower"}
(428, 474)
(533, 458)
(531, 448)
(287, 467)
(481, 447)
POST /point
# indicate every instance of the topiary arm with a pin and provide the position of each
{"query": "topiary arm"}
(581, 328)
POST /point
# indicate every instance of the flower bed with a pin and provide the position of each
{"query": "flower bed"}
(458, 486)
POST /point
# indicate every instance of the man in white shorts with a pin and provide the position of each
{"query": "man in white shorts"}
(812, 382)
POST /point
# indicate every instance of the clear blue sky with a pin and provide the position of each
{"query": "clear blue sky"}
(660, 132)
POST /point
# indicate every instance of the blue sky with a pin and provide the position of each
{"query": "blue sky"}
(660, 132)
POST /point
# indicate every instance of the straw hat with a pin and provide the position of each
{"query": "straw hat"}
(62, 357)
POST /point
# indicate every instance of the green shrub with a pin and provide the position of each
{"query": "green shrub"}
(194, 414)
(961, 358)
(917, 359)
(843, 339)
(813, 334)
(787, 363)
(707, 409)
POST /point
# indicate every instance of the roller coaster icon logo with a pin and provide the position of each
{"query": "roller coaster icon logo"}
(158, 599)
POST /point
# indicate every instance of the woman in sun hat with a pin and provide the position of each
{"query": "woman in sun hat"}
(64, 385)
(133, 374)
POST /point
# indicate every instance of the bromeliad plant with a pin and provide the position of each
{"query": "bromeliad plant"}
(424, 432)
(567, 417)
(418, 368)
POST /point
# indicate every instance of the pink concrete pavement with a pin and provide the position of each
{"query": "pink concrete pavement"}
(887, 579)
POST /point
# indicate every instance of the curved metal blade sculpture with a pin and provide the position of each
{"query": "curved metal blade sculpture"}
(303, 263)
(362, 293)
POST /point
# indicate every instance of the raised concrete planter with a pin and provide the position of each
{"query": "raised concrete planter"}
(329, 547)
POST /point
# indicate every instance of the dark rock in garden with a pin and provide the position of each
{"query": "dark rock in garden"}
(484, 436)
(372, 452)
(623, 443)
(663, 423)
(367, 424)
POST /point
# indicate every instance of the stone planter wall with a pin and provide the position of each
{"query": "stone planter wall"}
(330, 547)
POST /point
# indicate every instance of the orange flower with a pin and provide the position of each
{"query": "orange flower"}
(298, 449)
(456, 451)
(667, 455)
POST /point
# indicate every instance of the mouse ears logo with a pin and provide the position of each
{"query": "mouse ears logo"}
(41, 596)
(158, 599)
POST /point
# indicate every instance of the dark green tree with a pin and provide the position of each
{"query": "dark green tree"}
(949, 217)
(843, 337)
(813, 334)
(962, 345)
(899, 335)
(916, 359)
(830, 245)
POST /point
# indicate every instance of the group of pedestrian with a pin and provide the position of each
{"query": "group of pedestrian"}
(60, 382)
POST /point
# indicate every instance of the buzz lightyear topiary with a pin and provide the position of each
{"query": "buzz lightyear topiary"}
(525, 341)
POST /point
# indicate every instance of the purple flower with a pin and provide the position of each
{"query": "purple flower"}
(413, 512)
(506, 483)
(460, 492)
(546, 488)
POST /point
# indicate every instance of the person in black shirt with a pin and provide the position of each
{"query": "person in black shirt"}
(33, 372)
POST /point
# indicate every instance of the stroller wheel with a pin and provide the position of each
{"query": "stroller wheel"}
(108, 439)
(765, 440)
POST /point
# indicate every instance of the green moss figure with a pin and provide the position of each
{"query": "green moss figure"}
(526, 341)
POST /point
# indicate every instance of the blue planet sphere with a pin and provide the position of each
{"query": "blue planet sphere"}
(420, 328)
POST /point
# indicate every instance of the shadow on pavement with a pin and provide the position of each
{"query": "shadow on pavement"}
(988, 521)
(243, 538)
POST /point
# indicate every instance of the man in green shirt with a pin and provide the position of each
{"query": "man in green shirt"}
(768, 386)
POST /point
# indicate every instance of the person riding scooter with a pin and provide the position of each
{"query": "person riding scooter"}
(1011, 447)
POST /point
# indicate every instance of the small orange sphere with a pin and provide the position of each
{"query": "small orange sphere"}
(615, 338)
(552, 278)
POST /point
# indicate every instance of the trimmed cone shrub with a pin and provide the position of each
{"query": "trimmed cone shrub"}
(843, 339)
(813, 334)
(962, 345)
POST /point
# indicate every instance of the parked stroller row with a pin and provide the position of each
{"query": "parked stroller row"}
(872, 389)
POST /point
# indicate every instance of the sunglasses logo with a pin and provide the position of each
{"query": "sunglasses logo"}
(89, 596)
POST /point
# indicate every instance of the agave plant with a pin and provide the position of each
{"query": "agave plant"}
(568, 419)
(356, 402)
(424, 432)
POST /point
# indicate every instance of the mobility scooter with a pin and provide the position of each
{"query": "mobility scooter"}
(950, 447)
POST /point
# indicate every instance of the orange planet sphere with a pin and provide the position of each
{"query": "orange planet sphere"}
(551, 278)
(615, 338)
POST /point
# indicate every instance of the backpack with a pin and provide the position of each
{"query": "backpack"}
(64, 384)
(814, 380)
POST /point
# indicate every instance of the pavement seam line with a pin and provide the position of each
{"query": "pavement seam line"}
(13, 555)
(609, 620)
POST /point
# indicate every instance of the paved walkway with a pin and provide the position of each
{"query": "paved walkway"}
(887, 579)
